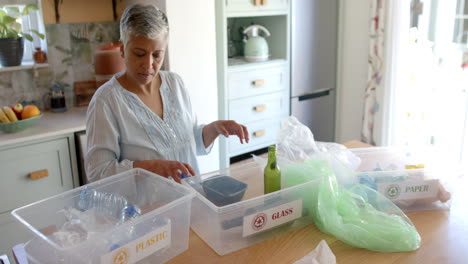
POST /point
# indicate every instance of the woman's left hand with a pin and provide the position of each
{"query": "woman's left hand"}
(231, 127)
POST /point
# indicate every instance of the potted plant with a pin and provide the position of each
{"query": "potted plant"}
(12, 35)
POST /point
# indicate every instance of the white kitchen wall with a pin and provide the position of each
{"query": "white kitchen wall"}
(192, 54)
(353, 49)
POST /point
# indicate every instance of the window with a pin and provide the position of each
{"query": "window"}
(460, 34)
(32, 21)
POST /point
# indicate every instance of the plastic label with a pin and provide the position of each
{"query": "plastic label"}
(141, 247)
(409, 190)
(264, 220)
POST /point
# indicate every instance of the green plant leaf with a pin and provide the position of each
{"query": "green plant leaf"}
(8, 20)
(37, 33)
(2, 14)
(28, 37)
(28, 8)
(13, 11)
(15, 26)
(12, 35)
(8, 32)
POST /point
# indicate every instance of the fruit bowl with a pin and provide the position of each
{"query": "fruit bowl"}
(19, 125)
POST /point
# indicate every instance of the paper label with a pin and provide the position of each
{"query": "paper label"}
(409, 190)
(141, 247)
(264, 220)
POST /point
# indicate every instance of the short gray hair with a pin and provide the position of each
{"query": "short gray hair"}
(143, 20)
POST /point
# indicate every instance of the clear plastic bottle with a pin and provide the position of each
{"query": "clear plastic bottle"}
(129, 212)
(109, 204)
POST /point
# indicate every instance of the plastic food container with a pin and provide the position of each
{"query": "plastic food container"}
(414, 179)
(157, 235)
(256, 217)
(223, 190)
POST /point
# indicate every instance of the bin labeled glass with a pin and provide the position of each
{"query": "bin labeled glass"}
(231, 222)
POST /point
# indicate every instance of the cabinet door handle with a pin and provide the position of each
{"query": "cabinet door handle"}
(36, 175)
(259, 108)
(259, 133)
(257, 2)
(257, 83)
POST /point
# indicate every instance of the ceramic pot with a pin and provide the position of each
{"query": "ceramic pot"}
(108, 61)
(39, 56)
(11, 51)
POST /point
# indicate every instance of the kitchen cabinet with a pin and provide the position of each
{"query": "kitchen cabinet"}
(257, 7)
(31, 171)
(82, 11)
(255, 94)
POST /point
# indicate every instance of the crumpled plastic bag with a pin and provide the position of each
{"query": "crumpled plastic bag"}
(353, 213)
(322, 254)
(297, 142)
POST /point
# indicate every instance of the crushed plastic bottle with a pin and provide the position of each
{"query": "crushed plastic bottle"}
(109, 204)
(129, 212)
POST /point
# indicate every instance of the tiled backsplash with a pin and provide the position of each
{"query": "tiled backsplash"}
(70, 50)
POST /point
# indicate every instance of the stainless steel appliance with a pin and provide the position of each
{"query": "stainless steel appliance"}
(314, 35)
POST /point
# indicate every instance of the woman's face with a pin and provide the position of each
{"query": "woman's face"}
(144, 58)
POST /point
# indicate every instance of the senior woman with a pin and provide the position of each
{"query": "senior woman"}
(142, 118)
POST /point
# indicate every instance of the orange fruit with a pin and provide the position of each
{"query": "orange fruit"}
(30, 111)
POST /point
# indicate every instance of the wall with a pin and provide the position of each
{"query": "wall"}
(192, 54)
(70, 50)
(353, 52)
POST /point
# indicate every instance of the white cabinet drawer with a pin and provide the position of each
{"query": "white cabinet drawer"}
(237, 6)
(260, 107)
(17, 163)
(261, 134)
(249, 83)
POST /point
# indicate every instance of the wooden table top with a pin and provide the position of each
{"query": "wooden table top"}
(443, 233)
(443, 240)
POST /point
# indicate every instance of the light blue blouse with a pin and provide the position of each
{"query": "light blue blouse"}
(121, 129)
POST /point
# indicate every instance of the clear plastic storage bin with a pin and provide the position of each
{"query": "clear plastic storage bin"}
(246, 219)
(66, 234)
(414, 179)
(397, 158)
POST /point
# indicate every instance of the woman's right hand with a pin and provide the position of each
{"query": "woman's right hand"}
(166, 168)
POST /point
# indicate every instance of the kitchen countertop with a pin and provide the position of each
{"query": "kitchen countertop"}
(51, 124)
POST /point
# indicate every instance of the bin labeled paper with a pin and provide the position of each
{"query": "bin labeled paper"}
(408, 190)
(272, 217)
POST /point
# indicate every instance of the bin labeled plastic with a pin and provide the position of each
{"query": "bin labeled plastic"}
(66, 233)
(251, 218)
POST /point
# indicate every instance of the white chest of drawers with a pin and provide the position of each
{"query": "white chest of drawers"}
(259, 99)
(257, 94)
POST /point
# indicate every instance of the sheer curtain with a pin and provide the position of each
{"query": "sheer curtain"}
(388, 19)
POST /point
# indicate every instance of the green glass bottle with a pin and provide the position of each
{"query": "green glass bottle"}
(272, 173)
